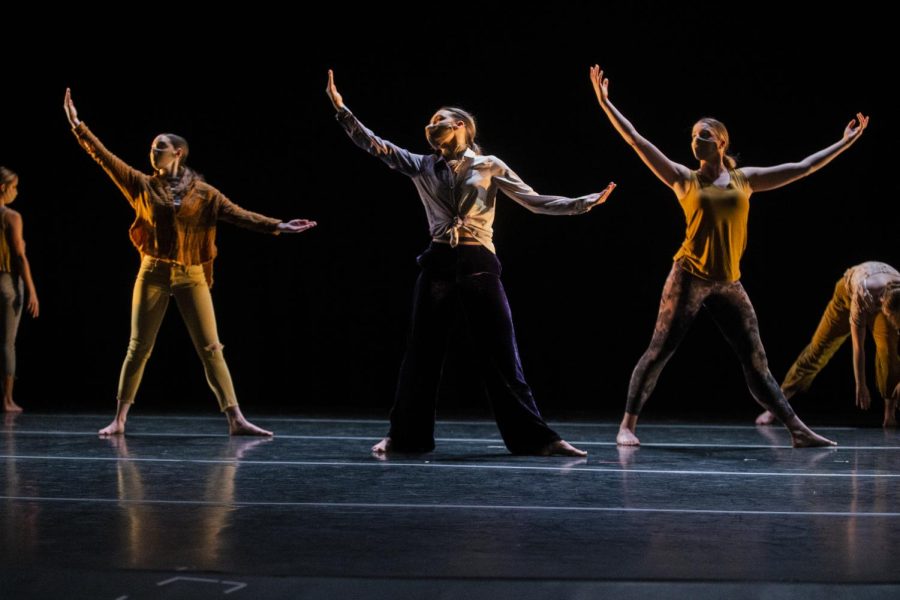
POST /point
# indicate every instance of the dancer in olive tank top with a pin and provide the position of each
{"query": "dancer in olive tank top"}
(715, 199)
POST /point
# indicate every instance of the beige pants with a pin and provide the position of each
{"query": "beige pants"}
(832, 332)
(156, 281)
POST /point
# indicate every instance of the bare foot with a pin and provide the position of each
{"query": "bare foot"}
(115, 428)
(626, 437)
(890, 421)
(766, 418)
(561, 448)
(382, 447)
(11, 407)
(245, 427)
(807, 438)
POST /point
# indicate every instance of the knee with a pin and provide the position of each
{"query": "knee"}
(758, 362)
(213, 351)
(138, 349)
(657, 354)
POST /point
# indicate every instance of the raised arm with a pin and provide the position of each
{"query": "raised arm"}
(14, 220)
(769, 178)
(394, 156)
(671, 173)
(512, 185)
(128, 180)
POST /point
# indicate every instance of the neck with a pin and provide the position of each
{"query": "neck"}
(453, 149)
(174, 171)
(711, 169)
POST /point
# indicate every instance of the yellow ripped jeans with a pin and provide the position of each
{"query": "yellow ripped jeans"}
(156, 281)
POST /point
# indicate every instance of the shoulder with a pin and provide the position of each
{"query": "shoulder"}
(690, 180)
(485, 161)
(205, 189)
(11, 216)
(739, 177)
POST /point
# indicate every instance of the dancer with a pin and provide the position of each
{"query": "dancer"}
(458, 186)
(15, 279)
(867, 297)
(174, 231)
(706, 272)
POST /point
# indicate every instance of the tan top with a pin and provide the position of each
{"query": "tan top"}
(184, 234)
(862, 303)
(716, 233)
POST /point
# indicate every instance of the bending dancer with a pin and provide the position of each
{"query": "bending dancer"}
(14, 272)
(866, 297)
(715, 199)
(174, 231)
(458, 186)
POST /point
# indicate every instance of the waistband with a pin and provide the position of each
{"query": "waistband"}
(462, 241)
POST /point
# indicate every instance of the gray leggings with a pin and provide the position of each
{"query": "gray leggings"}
(730, 308)
(11, 299)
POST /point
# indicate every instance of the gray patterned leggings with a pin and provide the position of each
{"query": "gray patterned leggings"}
(11, 298)
(730, 308)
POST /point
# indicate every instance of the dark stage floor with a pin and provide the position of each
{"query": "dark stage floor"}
(177, 509)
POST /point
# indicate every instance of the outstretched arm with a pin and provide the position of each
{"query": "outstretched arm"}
(394, 156)
(769, 178)
(232, 213)
(127, 179)
(669, 172)
(513, 186)
(14, 220)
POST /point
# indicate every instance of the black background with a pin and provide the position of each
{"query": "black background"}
(317, 321)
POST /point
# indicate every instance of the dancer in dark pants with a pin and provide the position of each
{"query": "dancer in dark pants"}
(458, 187)
(715, 199)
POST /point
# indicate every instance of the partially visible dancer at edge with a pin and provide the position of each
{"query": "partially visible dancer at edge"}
(866, 298)
(15, 281)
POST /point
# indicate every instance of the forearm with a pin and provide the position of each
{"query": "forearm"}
(816, 161)
(549, 205)
(859, 357)
(391, 154)
(768, 178)
(124, 176)
(234, 214)
(621, 124)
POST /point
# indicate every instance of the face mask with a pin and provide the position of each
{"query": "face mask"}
(438, 135)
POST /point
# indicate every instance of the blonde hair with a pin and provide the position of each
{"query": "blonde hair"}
(722, 133)
(469, 120)
(7, 175)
